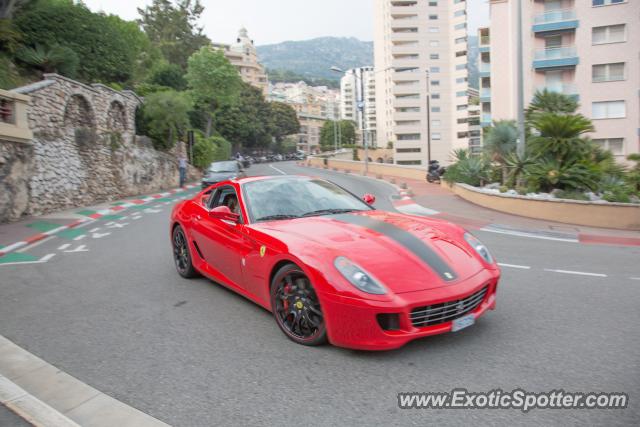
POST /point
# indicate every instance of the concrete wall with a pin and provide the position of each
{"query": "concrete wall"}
(610, 215)
(374, 168)
(83, 151)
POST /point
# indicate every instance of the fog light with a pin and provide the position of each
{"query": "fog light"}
(389, 321)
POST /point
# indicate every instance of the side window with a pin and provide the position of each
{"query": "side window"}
(225, 196)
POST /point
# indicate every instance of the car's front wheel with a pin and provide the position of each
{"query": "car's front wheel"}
(296, 307)
(181, 254)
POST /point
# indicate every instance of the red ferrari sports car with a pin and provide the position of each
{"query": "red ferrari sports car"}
(329, 266)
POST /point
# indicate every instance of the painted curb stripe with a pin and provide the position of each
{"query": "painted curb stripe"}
(91, 216)
(405, 239)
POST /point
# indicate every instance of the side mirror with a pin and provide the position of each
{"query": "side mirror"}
(224, 213)
(369, 199)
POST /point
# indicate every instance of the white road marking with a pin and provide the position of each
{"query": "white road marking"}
(522, 267)
(580, 273)
(34, 244)
(21, 263)
(125, 217)
(94, 230)
(99, 235)
(81, 248)
(276, 169)
(80, 237)
(136, 217)
(47, 257)
(63, 247)
(150, 210)
(489, 229)
(634, 278)
(108, 223)
(118, 225)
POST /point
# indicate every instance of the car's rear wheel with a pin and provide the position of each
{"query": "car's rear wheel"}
(296, 307)
(181, 254)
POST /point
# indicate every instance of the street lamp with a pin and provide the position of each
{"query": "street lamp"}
(520, 77)
(428, 121)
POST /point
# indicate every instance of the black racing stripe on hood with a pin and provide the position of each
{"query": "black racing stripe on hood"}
(404, 238)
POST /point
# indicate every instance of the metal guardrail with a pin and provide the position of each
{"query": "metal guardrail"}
(556, 53)
(560, 15)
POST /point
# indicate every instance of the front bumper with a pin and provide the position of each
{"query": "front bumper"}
(353, 323)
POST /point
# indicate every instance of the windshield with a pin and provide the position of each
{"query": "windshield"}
(223, 167)
(285, 198)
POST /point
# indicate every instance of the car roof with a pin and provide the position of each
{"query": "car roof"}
(268, 177)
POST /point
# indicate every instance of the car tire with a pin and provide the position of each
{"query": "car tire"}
(181, 254)
(306, 314)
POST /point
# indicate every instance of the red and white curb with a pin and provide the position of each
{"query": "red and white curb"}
(90, 218)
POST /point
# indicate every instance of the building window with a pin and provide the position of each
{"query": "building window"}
(460, 26)
(461, 80)
(435, 82)
(461, 12)
(615, 145)
(608, 72)
(408, 123)
(434, 43)
(608, 34)
(461, 40)
(409, 162)
(462, 120)
(606, 2)
(408, 150)
(434, 29)
(434, 56)
(435, 96)
(461, 107)
(461, 93)
(461, 67)
(409, 96)
(435, 109)
(433, 17)
(461, 53)
(434, 70)
(436, 136)
(608, 110)
(433, 3)
(436, 123)
(408, 109)
(408, 137)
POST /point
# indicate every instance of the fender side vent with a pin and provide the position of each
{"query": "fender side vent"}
(197, 249)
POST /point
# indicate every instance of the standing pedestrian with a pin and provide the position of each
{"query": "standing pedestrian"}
(182, 166)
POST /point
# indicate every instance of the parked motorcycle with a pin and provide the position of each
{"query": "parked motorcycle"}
(435, 171)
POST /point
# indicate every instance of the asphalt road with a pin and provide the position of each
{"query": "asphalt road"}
(117, 316)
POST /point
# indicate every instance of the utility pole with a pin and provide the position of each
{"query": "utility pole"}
(362, 125)
(335, 135)
(428, 120)
(520, 76)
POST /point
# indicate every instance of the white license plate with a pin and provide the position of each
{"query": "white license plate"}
(462, 322)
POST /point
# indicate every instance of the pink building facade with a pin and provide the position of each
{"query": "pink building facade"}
(587, 49)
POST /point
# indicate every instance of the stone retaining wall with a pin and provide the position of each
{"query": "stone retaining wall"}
(84, 151)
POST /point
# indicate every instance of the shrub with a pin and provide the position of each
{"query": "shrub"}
(503, 188)
(571, 195)
(208, 150)
(474, 170)
(549, 174)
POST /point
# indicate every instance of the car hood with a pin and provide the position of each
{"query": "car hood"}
(219, 176)
(403, 252)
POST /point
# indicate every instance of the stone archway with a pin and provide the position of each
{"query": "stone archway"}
(116, 117)
(80, 119)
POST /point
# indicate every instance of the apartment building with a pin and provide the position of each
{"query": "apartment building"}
(421, 78)
(243, 55)
(587, 49)
(350, 96)
(484, 75)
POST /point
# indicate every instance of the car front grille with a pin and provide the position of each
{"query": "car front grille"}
(436, 314)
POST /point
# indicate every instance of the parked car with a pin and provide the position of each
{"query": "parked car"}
(222, 171)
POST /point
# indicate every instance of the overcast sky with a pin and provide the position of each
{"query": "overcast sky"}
(273, 21)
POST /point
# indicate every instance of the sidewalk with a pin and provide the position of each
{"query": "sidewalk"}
(15, 235)
(423, 198)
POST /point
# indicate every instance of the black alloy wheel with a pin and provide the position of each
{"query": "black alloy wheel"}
(181, 254)
(296, 307)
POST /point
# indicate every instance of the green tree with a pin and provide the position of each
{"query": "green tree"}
(172, 27)
(284, 119)
(208, 150)
(103, 52)
(213, 81)
(247, 122)
(168, 75)
(561, 136)
(54, 59)
(499, 142)
(346, 134)
(167, 117)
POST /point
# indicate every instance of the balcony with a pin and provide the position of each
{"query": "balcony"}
(13, 117)
(485, 94)
(566, 89)
(557, 57)
(485, 120)
(555, 20)
(484, 70)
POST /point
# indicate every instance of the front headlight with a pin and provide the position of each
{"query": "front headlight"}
(480, 248)
(358, 277)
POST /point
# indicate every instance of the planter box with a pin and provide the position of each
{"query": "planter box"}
(622, 216)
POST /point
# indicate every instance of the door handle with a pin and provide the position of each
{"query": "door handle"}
(198, 217)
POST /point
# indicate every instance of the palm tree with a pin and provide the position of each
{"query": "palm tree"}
(560, 136)
(551, 102)
(499, 142)
(53, 59)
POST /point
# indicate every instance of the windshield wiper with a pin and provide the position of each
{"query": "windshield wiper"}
(329, 212)
(278, 216)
